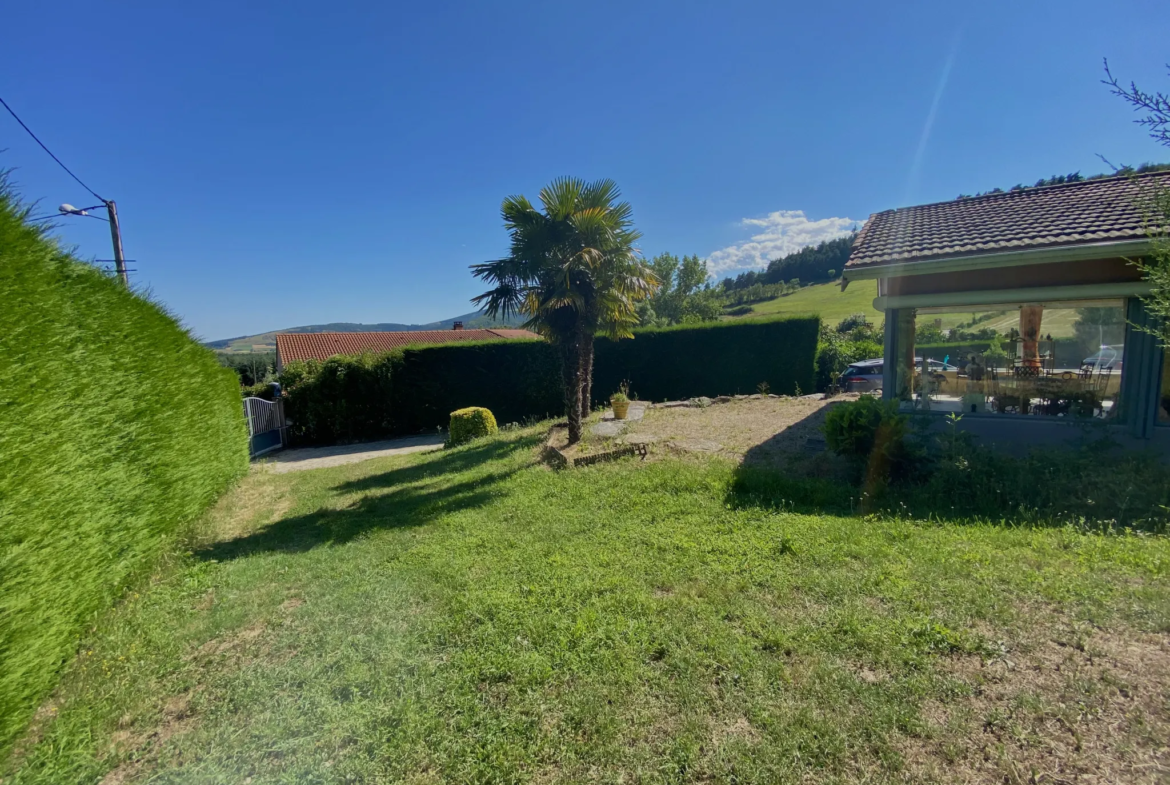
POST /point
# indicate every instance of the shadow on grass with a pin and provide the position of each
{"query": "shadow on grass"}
(772, 488)
(791, 471)
(1092, 485)
(402, 497)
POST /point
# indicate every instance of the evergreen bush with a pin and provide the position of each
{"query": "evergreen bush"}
(872, 434)
(517, 380)
(470, 423)
(343, 399)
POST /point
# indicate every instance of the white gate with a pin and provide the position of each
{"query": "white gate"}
(265, 425)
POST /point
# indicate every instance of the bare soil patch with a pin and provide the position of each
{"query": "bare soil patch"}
(757, 429)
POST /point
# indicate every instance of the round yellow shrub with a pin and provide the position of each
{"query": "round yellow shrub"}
(470, 423)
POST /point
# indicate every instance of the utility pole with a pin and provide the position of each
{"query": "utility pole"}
(116, 236)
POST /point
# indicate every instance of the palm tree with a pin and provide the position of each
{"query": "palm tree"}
(574, 272)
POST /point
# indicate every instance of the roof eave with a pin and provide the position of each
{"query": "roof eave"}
(1048, 254)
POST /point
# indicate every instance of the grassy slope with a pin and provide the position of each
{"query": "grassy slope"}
(1057, 323)
(468, 616)
(826, 299)
(833, 305)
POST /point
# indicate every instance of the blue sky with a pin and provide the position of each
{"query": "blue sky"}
(279, 164)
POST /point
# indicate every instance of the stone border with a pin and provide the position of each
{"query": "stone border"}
(702, 401)
(558, 460)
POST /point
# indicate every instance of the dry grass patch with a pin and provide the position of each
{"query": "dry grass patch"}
(1064, 705)
(772, 430)
(255, 502)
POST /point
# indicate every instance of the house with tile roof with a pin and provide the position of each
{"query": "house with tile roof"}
(291, 347)
(1039, 308)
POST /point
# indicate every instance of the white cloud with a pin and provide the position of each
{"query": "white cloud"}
(780, 233)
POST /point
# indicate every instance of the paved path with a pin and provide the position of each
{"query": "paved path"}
(610, 426)
(305, 458)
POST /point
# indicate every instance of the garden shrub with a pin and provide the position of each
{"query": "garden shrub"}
(835, 353)
(871, 433)
(470, 423)
(263, 390)
(343, 399)
(116, 428)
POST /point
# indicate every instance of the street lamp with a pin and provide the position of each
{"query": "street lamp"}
(115, 232)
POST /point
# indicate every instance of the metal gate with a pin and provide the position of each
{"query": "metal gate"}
(265, 425)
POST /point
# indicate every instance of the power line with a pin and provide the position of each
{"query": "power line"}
(47, 150)
(60, 215)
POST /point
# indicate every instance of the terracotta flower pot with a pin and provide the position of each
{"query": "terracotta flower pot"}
(620, 409)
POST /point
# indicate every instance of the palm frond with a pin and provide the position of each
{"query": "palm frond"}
(572, 260)
(561, 197)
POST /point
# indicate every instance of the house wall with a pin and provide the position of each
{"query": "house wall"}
(1074, 273)
(1017, 434)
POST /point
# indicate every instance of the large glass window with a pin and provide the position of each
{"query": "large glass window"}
(1039, 359)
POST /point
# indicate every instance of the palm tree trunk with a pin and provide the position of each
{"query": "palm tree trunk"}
(571, 378)
(586, 376)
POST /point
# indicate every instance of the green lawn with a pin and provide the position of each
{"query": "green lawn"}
(825, 299)
(471, 616)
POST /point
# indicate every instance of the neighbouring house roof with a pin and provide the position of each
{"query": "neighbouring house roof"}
(321, 346)
(1071, 214)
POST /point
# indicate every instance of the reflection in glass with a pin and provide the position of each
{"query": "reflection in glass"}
(1039, 359)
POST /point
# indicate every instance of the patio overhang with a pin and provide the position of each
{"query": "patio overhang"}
(988, 297)
(1031, 256)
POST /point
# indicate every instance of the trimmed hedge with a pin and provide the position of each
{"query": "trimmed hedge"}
(343, 399)
(415, 389)
(116, 427)
(470, 423)
(516, 379)
(720, 358)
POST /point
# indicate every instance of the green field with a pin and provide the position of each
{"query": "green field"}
(833, 305)
(1056, 322)
(470, 616)
(827, 300)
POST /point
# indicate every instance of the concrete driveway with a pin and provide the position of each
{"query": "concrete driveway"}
(305, 458)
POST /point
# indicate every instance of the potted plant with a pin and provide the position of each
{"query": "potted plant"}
(620, 401)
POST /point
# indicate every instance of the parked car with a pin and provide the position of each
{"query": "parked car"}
(1108, 358)
(866, 375)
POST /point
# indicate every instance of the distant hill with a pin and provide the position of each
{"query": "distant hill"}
(266, 342)
(825, 299)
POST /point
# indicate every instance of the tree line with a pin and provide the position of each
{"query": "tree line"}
(1072, 177)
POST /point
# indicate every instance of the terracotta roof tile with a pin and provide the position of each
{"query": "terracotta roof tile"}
(321, 346)
(1110, 208)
